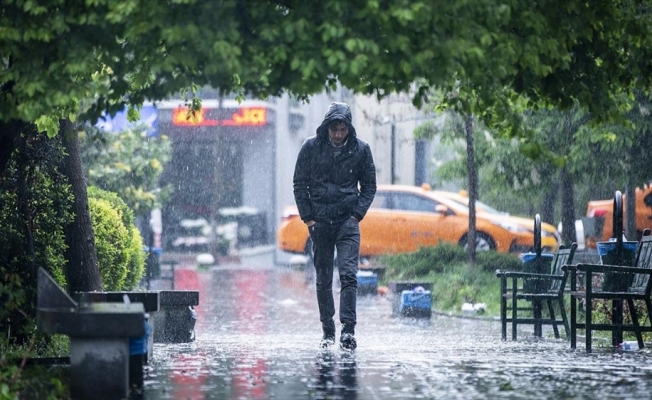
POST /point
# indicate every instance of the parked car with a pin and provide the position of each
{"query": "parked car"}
(403, 218)
(598, 224)
(548, 231)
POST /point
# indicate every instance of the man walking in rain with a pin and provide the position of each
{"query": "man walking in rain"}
(334, 185)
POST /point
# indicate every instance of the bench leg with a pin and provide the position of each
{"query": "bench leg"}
(634, 315)
(587, 323)
(536, 309)
(553, 319)
(564, 317)
(514, 308)
(99, 365)
(617, 319)
(648, 306)
(136, 370)
(573, 322)
(503, 307)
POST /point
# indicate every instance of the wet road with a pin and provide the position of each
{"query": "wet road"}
(258, 333)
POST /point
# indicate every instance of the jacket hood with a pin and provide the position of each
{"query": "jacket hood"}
(336, 112)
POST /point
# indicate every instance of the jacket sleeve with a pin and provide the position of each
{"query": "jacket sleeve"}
(301, 182)
(367, 184)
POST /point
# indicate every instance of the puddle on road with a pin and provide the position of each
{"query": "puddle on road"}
(258, 335)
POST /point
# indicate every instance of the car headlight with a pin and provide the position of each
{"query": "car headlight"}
(511, 227)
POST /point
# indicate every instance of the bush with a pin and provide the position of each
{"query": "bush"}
(439, 258)
(111, 243)
(119, 243)
(490, 261)
(424, 261)
(35, 382)
(35, 204)
(454, 280)
(136, 266)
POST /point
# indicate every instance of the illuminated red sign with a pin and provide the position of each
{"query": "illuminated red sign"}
(246, 116)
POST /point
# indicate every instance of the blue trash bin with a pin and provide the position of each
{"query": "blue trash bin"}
(367, 283)
(615, 282)
(416, 303)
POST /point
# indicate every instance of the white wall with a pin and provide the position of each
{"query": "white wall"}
(373, 120)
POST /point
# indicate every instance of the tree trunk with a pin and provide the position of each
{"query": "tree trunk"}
(567, 209)
(548, 206)
(473, 186)
(82, 272)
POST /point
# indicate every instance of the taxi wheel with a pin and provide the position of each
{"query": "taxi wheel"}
(483, 242)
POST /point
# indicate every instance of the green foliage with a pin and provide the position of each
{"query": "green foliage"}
(490, 261)
(559, 142)
(136, 265)
(454, 280)
(111, 242)
(438, 259)
(126, 51)
(423, 261)
(128, 164)
(466, 284)
(116, 202)
(35, 204)
(118, 241)
(17, 382)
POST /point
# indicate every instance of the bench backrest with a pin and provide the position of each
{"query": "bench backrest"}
(561, 258)
(640, 282)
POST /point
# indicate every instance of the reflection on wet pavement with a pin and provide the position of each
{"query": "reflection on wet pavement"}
(258, 334)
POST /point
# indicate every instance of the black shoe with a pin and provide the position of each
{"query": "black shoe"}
(327, 341)
(347, 342)
(348, 328)
(329, 334)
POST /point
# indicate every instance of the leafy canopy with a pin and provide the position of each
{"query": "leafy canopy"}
(56, 52)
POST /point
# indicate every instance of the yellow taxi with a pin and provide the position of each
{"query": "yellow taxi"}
(550, 237)
(602, 210)
(404, 218)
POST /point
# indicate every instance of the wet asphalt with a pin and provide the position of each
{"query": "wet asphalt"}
(258, 333)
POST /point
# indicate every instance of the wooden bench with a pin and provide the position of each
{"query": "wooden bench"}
(176, 318)
(99, 338)
(141, 348)
(537, 289)
(639, 289)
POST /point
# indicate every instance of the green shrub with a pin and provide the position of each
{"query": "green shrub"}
(35, 382)
(131, 251)
(35, 204)
(424, 261)
(465, 283)
(111, 243)
(136, 266)
(126, 214)
(454, 280)
(490, 261)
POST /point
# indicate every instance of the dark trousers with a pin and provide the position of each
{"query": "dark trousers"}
(345, 237)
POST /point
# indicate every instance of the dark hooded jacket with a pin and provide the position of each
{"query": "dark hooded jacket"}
(326, 186)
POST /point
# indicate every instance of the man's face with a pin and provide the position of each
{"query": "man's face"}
(337, 131)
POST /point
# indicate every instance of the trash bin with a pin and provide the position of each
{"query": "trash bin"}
(416, 303)
(367, 283)
(614, 282)
(534, 265)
